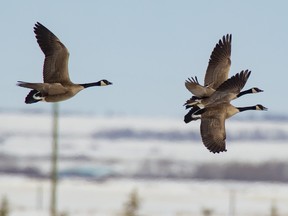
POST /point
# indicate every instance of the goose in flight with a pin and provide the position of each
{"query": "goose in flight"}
(212, 125)
(216, 73)
(224, 93)
(229, 90)
(218, 109)
(57, 85)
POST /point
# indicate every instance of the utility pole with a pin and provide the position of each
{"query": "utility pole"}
(54, 160)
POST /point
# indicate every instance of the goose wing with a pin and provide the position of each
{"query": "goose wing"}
(236, 83)
(212, 130)
(55, 69)
(219, 63)
(228, 90)
(196, 89)
(192, 84)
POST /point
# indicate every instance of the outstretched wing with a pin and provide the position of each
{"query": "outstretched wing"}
(228, 90)
(55, 69)
(219, 63)
(236, 83)
(196, 89)
(213, 132)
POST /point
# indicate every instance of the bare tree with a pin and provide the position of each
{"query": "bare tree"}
(4, 208)
(207, 212)
(274, 209)
(132, 205)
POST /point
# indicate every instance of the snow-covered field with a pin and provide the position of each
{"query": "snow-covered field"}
(28, 134)
(122, 145)
(162, 198)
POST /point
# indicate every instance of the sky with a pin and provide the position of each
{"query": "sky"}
(147, 49)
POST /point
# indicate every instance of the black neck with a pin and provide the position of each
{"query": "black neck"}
(241, 109)
(87, 85)
(249, 91)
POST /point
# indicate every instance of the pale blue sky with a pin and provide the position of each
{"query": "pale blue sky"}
(147, 49)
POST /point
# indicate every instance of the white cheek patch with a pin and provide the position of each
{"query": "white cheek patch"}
(102, 83)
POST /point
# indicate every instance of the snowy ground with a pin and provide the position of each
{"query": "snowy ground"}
(26, 138)
(161, 198)
(30, 135)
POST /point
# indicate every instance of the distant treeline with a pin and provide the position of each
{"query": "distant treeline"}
(269, 171)
(172, 135)
(170, 169)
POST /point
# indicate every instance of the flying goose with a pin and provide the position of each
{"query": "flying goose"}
(218, 109)
(224, 91)
(227, 91)
(194, 102)
(216, 72)
(57, 85)
(212, 126)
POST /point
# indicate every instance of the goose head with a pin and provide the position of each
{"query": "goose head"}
(105, 82)
(256, 90)
(261, 107)
(102, 82)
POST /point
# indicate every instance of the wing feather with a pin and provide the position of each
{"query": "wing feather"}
(228, 90)
(213, 133)
(55, 69)
(236, 83)
(196, 89)
(219, 63)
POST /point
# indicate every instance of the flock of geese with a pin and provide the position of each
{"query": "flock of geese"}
(210, 102)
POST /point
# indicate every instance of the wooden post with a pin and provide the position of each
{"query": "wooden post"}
(54, 161)
(39, 197)
(232, 202)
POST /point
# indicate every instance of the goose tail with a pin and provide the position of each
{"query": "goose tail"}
(192, 102)
(34, 96)
(190, 115)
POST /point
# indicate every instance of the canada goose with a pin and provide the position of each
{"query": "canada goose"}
(227, 91)
(57, 85)
(193, 101)
(212, 126)
(216, 72)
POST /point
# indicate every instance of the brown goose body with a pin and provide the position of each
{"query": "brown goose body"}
(52, 92)
(212, 126)
(57, 85)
